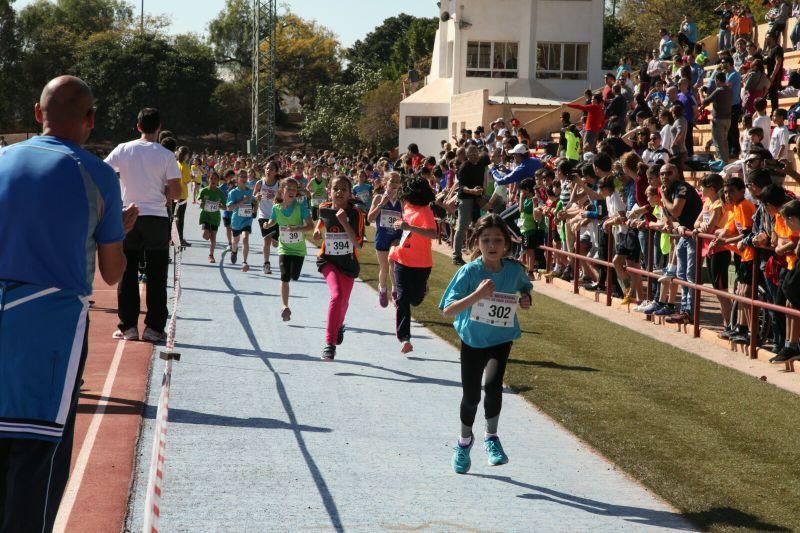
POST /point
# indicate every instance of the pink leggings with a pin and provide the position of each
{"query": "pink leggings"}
(340, 286)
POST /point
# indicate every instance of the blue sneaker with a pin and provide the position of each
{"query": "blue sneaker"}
(494, 451)
(461, 461)
(666, 310)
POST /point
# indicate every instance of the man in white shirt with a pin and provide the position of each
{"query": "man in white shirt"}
(779, 140)
(149, 176)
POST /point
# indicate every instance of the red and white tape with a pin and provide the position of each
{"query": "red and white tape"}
(155, 478)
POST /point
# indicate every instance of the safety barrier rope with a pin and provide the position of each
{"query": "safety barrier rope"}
(155, 478)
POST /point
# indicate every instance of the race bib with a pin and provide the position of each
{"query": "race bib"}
(338, 244)
(245, 211)
(211, 207)
(498, 311)
(288, 236)
(363, 196)
(389, 217)
(316, 202)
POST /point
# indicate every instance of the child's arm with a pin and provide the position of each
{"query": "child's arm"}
(485, 289)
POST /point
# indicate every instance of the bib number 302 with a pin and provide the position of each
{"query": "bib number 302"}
(499, 310)
(337, 244)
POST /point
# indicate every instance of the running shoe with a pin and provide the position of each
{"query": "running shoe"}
(245, 267)
(652, 308)
(628, 297)
(151, 335)
(461, 461)
(383, 299)
(494, 451)
(642, 306)
(211, 259)
(286, 314)
(679, 318)
(130, 334)
(233, 257)
(786, 353)
(664, 310)
(340, 336)
(406, 348)
(328, 353)
(459, 261)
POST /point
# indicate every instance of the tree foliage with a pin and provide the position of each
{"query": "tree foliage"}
(10, 66)
(334, 116)
(378, 126)
(231, 36)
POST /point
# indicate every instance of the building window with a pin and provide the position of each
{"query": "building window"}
(562, 61)
(492, 59)
(426, 123)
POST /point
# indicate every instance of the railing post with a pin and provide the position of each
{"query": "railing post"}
(548, 264)
(698, 280)
(753, 309)
(609, 279)
(576, 250)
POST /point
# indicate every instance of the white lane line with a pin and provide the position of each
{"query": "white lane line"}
(75, 480)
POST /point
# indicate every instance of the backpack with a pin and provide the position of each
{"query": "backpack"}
(793, 117)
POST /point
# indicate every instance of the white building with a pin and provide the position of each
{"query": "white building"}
(537, 52)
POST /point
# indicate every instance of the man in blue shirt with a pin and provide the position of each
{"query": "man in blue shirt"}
(72, 212)
(526, 167)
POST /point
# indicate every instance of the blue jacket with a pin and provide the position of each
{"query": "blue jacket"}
(526, 170)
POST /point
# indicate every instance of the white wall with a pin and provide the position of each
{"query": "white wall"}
(429, 141)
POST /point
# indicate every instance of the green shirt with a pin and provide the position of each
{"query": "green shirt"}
(573, 146)
(295, 215)
(528, 224)
(207, 195)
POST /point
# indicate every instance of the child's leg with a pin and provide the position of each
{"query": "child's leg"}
(235, 245)
(285, 293)
(340, 287)
(205, 234)
(245, 246)
(493, 386)
(383, 272)
(473, 361)
(212, 237)
(266, 247)
(228, 234)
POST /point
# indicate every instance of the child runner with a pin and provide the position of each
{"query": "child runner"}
(228, 184)
(343, 225)
(292, 217)
(265, 191)
(386, 209)
(412, 257)
(211, 199)
(240, 201)
(317, 189)
(363, 191)
(482, 298)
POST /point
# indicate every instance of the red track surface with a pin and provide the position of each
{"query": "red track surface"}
(102, 497)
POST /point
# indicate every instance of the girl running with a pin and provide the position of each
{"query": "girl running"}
(482, 298)
(292, 217)
(228, 184)
(386, 209)
(240, 202)
(343, 227)
(412, 257)
(266, 189)
(211, 198)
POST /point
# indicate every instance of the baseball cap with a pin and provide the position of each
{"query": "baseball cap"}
(520, 149)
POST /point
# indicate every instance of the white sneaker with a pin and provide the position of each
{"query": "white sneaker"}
(131, 334)
(151, 335)
(642, 306)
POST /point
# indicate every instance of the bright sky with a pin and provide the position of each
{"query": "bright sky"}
(349, 19)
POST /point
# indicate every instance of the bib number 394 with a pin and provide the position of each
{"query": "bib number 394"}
(288, 236)
(337, 244)
(499, 310)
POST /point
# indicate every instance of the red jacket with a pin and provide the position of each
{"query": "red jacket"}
(595, 117)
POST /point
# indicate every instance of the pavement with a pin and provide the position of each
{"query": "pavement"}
(264, 436)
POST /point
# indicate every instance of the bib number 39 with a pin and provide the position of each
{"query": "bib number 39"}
(336, 244)
(499, 310)
(288, 236)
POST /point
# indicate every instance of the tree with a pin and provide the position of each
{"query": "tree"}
(378, 126)
(414, 47)
(10, 67)
(374, 52)
(333, 119)
(231, 36)
(231, 105)
(614, 41)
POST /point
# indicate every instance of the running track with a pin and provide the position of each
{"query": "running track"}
(263, 436)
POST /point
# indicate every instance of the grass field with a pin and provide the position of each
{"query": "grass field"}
(715, 443)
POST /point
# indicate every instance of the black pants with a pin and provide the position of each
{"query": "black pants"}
(150, 235)
(474, 362)
(412, 285)
(34, 473)
(180, 216)
(733, 132)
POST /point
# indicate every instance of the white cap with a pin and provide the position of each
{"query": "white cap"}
(503, 133)
(520, 149)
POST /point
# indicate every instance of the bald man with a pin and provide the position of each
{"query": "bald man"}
(68, 217)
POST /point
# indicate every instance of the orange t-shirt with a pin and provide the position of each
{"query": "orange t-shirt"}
(414, 250)
(742, 220)
(784, 232)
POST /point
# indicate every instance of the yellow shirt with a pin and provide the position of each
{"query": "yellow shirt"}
(186, 178)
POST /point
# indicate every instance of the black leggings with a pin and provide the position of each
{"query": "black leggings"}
(474, 361)
(411, 287)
